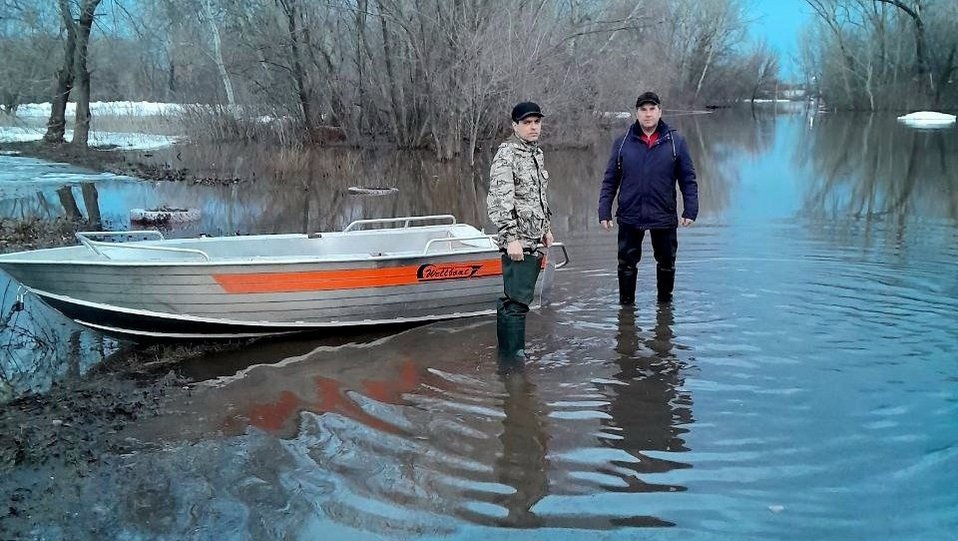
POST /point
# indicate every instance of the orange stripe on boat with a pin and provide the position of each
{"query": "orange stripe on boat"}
(288, 282)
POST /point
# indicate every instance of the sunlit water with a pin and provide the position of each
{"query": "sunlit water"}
(803, 384)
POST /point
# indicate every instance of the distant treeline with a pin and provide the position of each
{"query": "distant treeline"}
(416, 73)
(883, 54)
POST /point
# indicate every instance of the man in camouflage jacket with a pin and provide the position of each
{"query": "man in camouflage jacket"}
(519, 207)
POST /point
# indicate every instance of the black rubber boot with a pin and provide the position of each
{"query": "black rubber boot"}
(665, 282)
(511, 333)
(627, 286)
(519, 281)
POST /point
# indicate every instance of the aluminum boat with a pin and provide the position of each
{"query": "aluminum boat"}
(140, 285)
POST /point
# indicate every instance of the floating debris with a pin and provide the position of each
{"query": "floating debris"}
(372, 190)
(164, 215)
(927, 119)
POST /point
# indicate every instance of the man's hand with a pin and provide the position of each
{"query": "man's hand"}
(606, 224)
(686, 222)
(514, 250)
(548, 239)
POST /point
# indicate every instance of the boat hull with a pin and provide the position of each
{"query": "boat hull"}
(374, 272)
(228, 301)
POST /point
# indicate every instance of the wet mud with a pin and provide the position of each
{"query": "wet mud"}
(50, 440)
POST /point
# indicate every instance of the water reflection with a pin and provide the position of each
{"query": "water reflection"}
(292, 190)
(39, 346)
(872, 167)
(859, 165)
(281, 185)
(522, 464)
(412, 435)
(649, 409)
(869, 167)
(322, 394)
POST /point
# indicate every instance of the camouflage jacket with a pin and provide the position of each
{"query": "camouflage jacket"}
(517, 203)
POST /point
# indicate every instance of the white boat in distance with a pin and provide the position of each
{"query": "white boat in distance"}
(137, 284)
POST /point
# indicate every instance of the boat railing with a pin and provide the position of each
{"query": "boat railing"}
(491, 239)
(406, 221)
(97, 245)
(122, 236)
(565, 254)
(431, 242)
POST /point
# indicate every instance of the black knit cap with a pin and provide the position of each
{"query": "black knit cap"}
(524, 109)
(647, 97)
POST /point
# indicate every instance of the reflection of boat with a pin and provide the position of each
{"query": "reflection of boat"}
(927, 119)
(382, 271)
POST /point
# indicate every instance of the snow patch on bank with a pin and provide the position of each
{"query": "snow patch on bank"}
(105, 108)
(123, 141)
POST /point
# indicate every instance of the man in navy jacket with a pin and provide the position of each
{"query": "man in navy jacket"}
(643, 169)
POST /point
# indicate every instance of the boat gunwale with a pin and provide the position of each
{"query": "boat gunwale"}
(249, 261)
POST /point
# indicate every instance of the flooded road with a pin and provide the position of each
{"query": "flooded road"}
(803, 384)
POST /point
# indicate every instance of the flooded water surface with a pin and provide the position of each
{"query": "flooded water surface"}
(802, 385)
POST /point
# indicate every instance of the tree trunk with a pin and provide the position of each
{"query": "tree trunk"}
(946, 72)
(81, 129)
(61, 95)
(91, 202)
(218, 54)
(921, 55)
(395, 98)
(69, 202)
(705, 69)
(360, 117)
(299, 77)
(171, 77)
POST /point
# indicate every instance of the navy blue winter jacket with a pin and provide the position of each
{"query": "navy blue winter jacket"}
(646, 188)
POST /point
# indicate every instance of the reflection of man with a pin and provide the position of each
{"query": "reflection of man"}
(517, 204)
(650, 409)
(522, 465)
(642, 171)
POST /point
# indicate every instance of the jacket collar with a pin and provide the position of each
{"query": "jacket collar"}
(523, 145)
(662, 129)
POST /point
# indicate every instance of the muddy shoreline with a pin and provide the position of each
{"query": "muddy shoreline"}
(49, 440)
(132, 163)
(79, 422)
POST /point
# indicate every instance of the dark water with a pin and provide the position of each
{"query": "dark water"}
(804, 384)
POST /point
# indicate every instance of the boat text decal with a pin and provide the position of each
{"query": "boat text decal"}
(446, 271)
(330, 280)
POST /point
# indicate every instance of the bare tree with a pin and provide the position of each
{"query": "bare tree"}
(27, 40)
(866, 44)
(415, 73)
(762, 69)
(915, 12)
(64, 85)
(81, 129)
(74, 71)
(291, 14)
(210, 19)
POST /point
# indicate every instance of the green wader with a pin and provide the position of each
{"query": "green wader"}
(518, 285)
